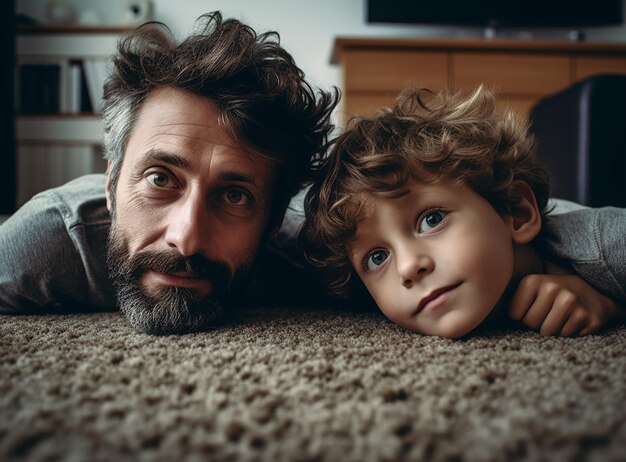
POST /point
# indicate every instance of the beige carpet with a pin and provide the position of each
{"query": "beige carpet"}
(316, 386)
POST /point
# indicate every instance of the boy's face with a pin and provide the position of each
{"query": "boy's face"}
(435, 257)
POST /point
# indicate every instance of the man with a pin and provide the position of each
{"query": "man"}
(207, 141)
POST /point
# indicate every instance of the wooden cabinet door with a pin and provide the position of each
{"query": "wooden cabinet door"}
(585, 66)
(366, 104)
(385, 71)
(512, 73)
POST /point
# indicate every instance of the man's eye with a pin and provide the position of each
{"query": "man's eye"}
(237, 197)
(160, 180)
(431, 220)
(375, 259)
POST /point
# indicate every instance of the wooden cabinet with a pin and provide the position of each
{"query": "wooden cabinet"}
(521, 71)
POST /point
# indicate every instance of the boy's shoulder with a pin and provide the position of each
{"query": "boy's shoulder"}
(560, 206)
(591, 241)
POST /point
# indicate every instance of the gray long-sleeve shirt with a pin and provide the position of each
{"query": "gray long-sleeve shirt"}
(53, 257)
(53, 253)
(592, 242)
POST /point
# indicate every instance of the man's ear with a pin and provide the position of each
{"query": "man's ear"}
(107, 188)
(524, 218)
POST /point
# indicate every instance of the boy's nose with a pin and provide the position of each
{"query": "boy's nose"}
(188, 229)
(412, 267)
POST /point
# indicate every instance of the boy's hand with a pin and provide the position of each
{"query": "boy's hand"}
(562, 305)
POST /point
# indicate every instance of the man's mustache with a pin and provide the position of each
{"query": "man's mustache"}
(196, 266)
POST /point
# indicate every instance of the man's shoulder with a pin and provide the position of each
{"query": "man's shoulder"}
(79, 202)
(54, 249)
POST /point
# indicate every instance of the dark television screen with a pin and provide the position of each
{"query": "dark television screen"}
(498, 13)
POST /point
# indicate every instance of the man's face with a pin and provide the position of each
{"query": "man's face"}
(436, 258)
(191, 209)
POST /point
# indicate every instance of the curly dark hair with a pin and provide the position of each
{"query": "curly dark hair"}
(262, 96)
(427, 136)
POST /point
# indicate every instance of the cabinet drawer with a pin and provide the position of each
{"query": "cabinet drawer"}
(365, 105)
(394, 70)
(519, 104)
(512, 73)
(585, 66)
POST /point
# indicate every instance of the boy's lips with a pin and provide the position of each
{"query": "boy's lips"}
(433, 298)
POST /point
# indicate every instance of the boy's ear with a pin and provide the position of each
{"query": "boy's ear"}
(524, 218)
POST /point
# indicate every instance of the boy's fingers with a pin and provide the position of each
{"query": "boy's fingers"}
(562, 309)
(546, 293)
(524, 296)
(560, 305)
(575, 325)
(538, 311)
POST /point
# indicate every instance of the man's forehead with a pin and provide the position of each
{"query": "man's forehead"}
(233, 162)
(187, 132)
(172, 111)
(188, 125)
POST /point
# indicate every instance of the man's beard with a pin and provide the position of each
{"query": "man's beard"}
(170, 310)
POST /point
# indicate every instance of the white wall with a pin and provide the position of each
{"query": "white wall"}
(307, 27)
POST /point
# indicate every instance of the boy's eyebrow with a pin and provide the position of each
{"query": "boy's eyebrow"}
(395, 194)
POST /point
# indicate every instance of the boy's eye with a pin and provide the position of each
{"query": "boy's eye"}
(375, 259)
(160, 180)
(431, 220)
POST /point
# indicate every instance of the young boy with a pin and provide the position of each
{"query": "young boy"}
(437, 205)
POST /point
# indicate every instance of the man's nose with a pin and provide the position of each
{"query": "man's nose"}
(188, 227)
(413, 264)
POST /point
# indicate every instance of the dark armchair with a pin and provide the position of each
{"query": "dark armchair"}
(581, 139)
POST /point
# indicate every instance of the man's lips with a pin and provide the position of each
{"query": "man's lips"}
(435, 298)
(179, 279)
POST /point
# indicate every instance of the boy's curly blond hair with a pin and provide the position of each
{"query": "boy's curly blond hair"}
(427, 136)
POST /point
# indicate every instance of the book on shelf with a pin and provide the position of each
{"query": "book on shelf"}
(70, 91)
(95, 76)
(39, 85)
(67, 86)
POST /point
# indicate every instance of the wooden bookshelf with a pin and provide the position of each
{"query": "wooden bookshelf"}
(60, 140)
(7, 122)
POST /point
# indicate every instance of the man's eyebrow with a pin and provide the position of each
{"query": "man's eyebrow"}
(236, 177)
(182, 163)
(169, 158)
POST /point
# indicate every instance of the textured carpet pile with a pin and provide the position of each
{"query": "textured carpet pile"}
(298, 385)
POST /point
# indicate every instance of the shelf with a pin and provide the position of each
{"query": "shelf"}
(343, 44)
(93, 45)
(86, 129)
(35, 29)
